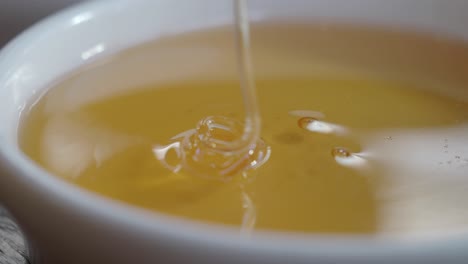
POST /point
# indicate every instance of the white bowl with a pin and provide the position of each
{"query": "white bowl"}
(69, 225)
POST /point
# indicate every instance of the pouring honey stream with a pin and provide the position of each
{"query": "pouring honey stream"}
(221, 147)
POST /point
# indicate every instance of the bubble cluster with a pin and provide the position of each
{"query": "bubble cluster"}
(342, 155)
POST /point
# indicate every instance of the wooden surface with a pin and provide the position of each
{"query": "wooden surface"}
(12, 246)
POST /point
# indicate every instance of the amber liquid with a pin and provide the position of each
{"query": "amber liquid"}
(353, 151)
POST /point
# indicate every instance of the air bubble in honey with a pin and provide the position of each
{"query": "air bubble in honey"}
(318, 126)
(347, 158)
(341, 152)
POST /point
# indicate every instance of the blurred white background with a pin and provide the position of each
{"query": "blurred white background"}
(16, 15)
